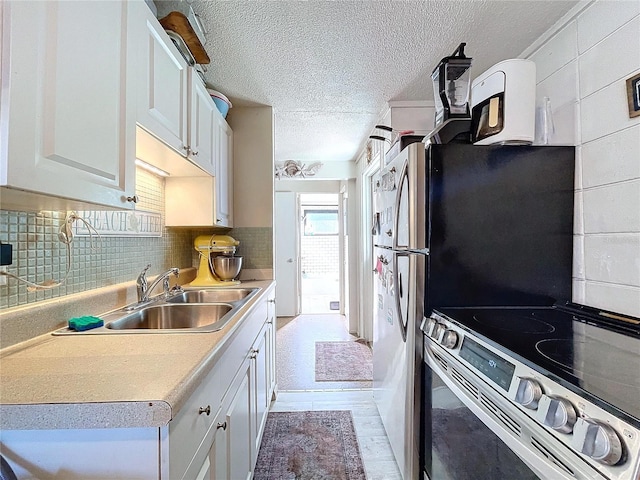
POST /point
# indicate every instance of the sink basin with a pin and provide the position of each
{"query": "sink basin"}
(204, 310)
(203, 317)
(212, 296)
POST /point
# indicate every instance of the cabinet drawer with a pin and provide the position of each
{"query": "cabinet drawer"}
(188, 429)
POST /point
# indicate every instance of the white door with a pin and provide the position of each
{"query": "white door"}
(287, 289)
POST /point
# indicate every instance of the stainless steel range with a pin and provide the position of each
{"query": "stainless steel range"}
(531, 392)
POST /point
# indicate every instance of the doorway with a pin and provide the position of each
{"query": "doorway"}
(320, 265)
(312, 240)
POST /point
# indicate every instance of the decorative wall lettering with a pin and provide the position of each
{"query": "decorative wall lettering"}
(120, 223)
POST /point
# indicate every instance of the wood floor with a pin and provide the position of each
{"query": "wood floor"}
(298, 390)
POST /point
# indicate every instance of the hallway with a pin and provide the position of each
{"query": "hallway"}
(295, 351)
(298, 390)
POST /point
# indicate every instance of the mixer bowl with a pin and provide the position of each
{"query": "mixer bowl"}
(227, 268)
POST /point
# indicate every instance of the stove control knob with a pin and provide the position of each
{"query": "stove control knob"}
(598, 441)
(449, 339)
(438, 331)
(528, 393)
(557, 413)
(428, 327)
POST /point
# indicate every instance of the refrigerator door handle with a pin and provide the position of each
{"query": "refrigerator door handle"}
(397, 278)
(405, 192)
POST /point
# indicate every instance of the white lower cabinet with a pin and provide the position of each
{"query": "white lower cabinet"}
(241, 454)
(230, 449)
(261, 372)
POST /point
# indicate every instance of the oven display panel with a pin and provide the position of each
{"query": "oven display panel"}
(488, 363)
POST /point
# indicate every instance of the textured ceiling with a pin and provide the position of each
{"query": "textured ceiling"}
(328, 68)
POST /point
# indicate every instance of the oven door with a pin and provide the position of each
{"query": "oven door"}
(456, 444)
(471, 430)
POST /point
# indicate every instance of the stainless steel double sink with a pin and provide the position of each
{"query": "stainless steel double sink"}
(184, 312)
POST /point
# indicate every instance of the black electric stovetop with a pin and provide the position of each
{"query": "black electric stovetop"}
(594, 353)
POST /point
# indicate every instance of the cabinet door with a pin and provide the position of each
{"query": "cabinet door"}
(69, 125)
(262, 377)
(218, 455)
(224, 175)
(203, 126)
(271, 347)
(240, 430)
(214, 463)
(163, 86)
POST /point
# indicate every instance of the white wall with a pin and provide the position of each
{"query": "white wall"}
(253, 167)
(308, 186)
(582, 65)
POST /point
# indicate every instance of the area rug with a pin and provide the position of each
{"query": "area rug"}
(318, 445)
(343, 361)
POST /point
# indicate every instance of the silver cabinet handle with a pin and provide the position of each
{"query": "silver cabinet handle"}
(254, 353)
(133, 199)
(221, 425)
(206, 410)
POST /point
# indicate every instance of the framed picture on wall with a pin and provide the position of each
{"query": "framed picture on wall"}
(633, 95)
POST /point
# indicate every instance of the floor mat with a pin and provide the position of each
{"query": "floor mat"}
(314, 445)
(343, 361)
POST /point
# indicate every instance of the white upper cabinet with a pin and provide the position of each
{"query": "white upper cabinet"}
(203, 126)
(204, 201)
(173, 103)
(67, 123)
(163, 82)
(224, 174)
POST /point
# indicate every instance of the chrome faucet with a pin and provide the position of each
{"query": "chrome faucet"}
(144, 289)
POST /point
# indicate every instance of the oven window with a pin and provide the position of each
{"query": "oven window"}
(457, 445)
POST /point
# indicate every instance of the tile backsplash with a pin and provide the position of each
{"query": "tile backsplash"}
(39, 256)
(258, 241)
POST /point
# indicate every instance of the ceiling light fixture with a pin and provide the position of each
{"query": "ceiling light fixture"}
(150, 168)
(293, 169)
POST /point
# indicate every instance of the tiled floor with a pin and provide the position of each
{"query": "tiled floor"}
(318, 293)
(298, 389)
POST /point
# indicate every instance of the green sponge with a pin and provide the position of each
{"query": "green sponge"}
(85, 323)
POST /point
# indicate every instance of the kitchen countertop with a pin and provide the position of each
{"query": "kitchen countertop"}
(108, 381)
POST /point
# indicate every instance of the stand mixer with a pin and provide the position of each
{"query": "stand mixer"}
(214, 245)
